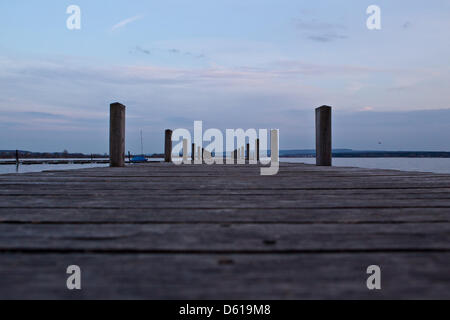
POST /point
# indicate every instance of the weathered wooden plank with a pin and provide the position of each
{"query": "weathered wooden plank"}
(212, 195)
(226, 238)
(245, 197)
(50, 191)
(224, 216)
(268, 276)
(216, 202)
(253, 184)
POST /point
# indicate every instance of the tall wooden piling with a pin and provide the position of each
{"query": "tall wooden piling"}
(257, 150)
(323, 136)
(193, 152)
(168, 146)
(17, 157)
(117, 135)
(247, 156)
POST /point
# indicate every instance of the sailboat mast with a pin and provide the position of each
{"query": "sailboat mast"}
(142, 145)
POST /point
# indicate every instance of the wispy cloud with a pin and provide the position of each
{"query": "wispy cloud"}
(172, 51)
(320, 31)
(141, 50)
(326, 37)
(406, 25)
(123, 23)
(317, 25)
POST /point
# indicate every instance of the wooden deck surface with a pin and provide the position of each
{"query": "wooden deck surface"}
(160, 231)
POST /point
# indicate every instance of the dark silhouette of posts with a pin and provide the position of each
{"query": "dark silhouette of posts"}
(117, 135)
(257, 150)
(323, 136)
(193, 152)
(168, 146)
(247, 156)
(17, 157)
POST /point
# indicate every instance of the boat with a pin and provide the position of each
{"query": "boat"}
(139, 159)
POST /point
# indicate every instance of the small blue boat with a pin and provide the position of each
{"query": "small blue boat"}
(138, 159)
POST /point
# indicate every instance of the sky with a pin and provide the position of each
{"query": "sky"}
(233, 64)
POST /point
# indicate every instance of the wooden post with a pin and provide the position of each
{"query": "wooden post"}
(323, 136)
(257, 150)
(185, 151)
(247, 156)
(193, 152)
(117, 135)
(199, 155)
(168, 146)
(17, 157)
(235, 156)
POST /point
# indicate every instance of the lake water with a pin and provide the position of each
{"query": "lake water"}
(5, 169)
(437, 165)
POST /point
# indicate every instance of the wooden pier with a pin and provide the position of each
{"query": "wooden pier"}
(160, 231)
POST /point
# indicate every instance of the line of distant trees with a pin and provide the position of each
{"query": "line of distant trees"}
(374, 154)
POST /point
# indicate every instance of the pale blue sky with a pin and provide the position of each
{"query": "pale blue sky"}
(263, 64)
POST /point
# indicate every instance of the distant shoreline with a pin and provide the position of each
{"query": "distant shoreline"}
(378, 155)
(11, 154)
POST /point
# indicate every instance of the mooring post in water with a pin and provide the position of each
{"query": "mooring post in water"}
(247, 156)
(117, 135)
(168, 146)
(257, 150)
(323, 136)
(193, 152)
(17, 157)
